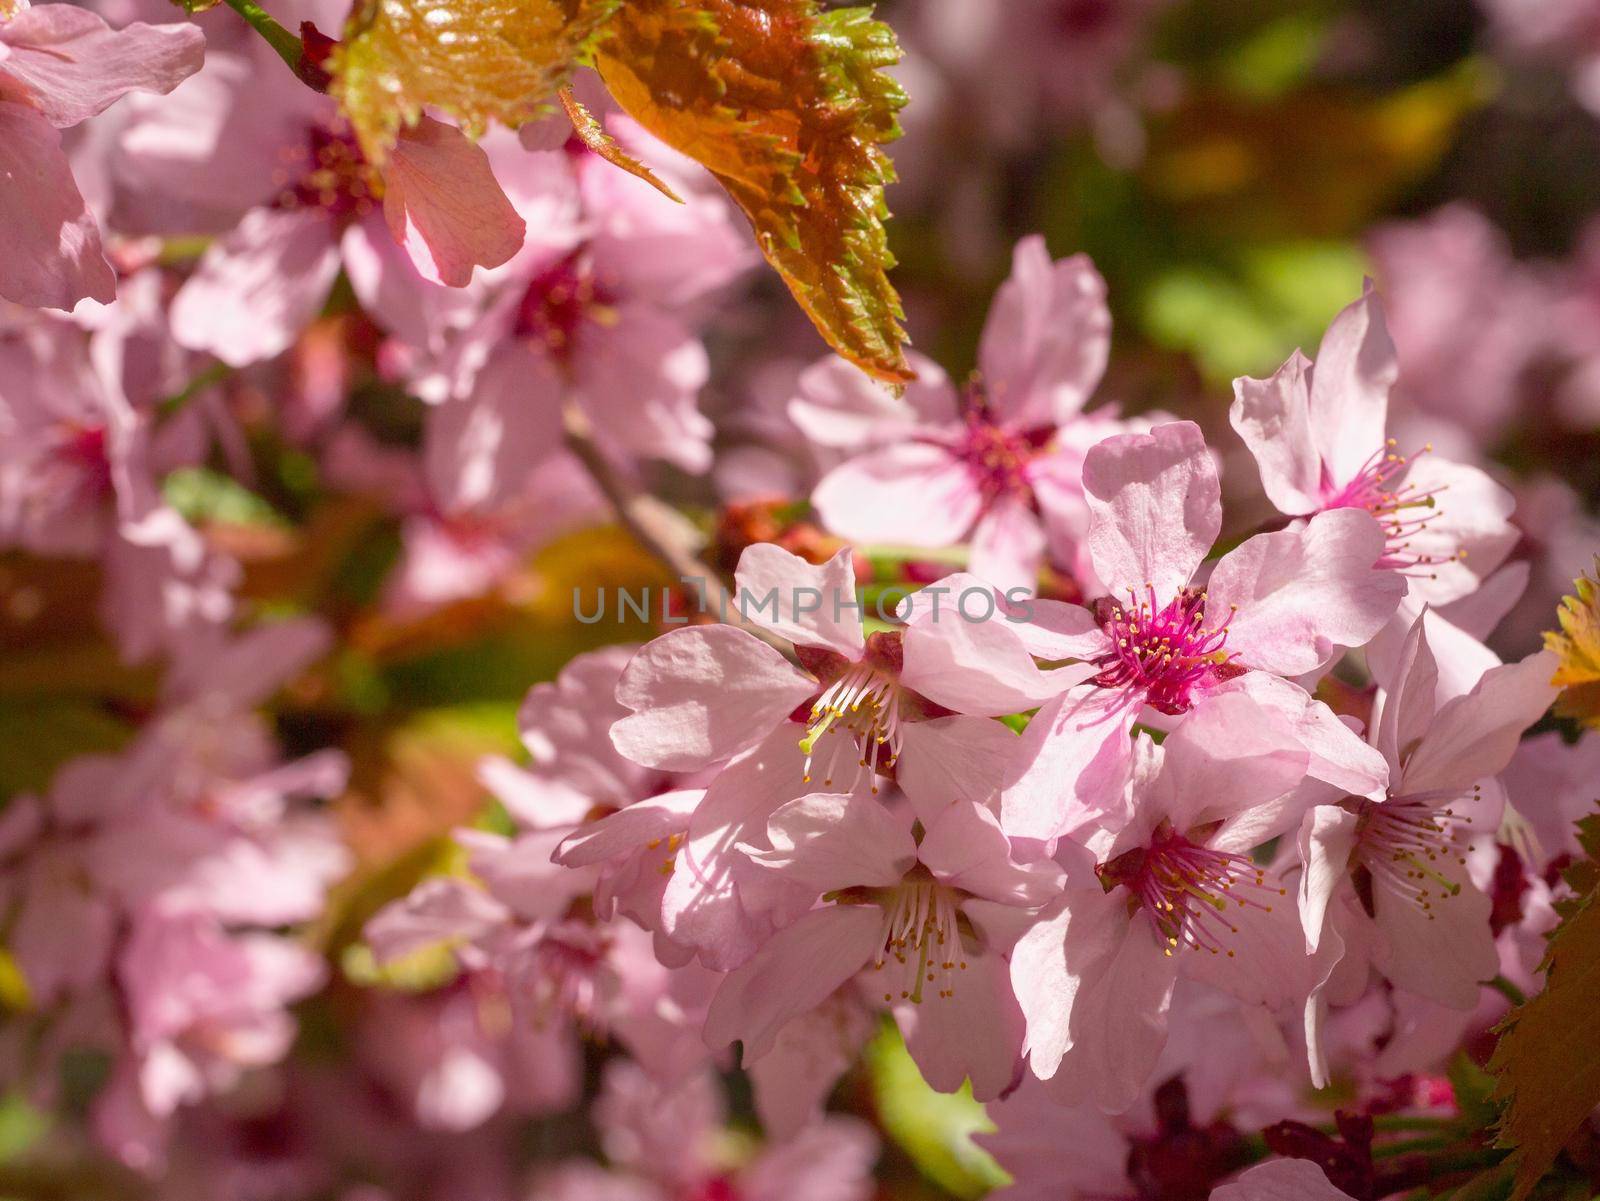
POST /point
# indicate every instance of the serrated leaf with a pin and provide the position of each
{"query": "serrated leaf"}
(593, 135)
(1547, 1063)
(478, 60)
(1578, 645)
(788, 106)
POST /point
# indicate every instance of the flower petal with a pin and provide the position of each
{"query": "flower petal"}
(1273, 417)
(50, 254)
(1301, 594)
(704, 693)
(1047, 337)
(809, 605)
(1157, 508)
(797, 970)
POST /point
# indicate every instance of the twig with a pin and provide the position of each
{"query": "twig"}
(656, 526)
(289, 47)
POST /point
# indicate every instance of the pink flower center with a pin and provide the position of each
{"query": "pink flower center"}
(1083, 18)
(1188, 889)
(718, 1188)
(863, 703)
(921, 939)
(1407, 844)
(1162, 652)
(1402, 508)
(560, 300)
(334, 176)
(996, 458)
(566, 975)
(82, 449)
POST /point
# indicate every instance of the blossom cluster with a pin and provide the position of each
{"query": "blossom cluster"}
(1174, 777)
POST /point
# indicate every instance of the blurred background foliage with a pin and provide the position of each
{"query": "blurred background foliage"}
(1228, 213)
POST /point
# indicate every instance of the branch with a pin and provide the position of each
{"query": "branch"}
(656, 526)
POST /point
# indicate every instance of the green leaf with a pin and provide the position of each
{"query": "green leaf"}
(1547, 1063)
(935, 1129)
(788, 106)
(39, 734)
(201, 495)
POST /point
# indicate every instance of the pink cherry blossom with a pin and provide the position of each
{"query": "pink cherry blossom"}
(858, 710)
(1387, 880)
(599, 310)
(1318, 436)
(921, 923)
(61, 65)
(308, 203)
(1279, 605)
(1175, 891)
(999, 465)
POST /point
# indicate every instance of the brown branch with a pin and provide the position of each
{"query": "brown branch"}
(656, 526)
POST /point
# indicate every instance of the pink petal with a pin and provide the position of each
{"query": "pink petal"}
(1008, 547)
(1301, 594)
(718, 902)
(1445, 952)
(793, 1080)
(1157, 508)
(1095, 987)
(962, 653)
(444, 206)
(829, 841)
(965, 848)
(829, 1161)
(1281, 1180)
(1328, 838)
(479, 450)
(809, 605)
(1077, 754)
(912, 493)
(1408, 699)
(385, 281)
(1468, 534)
(1338, 755)
(797, 970)
(437, 911)
(1058, 630)
(1045, 343)
(50, 255)
(840, 406)
(1228, 759)
(1474, 736)
(640, 380)
(1350, 385)
(654, 819)
(703, 693)
(975, 1034)
(1273, 417)
(72, 65)
(953, 759)
(257, 288)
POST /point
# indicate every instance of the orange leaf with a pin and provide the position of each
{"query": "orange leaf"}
(787, 105)
(593, 135)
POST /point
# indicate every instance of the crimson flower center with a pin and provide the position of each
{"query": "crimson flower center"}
(1403, 508)
(996, 458)
(333, 176)
(1164, 651)
(560, 300)
(1189, 890)
(83, 449)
